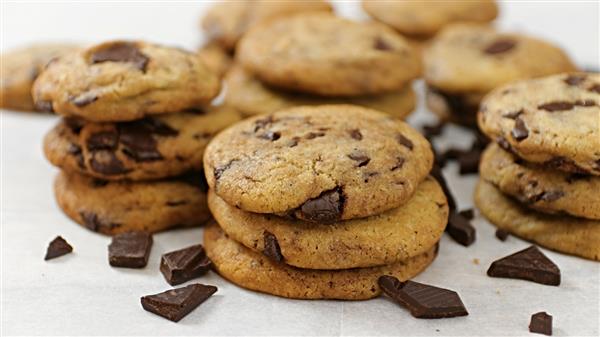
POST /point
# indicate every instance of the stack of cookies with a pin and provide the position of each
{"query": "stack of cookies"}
(540, 180)
(318, 58)
(131, 142)
(318, 202)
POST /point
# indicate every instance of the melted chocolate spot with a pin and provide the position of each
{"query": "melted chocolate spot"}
(556, 106)
(500, 46)
(326, 208)
(74, 124)
(513, 114)
(564, 164)
(360, 157)
(106, 162)
(355, 134)
(93, 222)
(220, 169)
(520, 131)
(595, 88)
(399, 163)
(404, 141)
(75, 150)
(262, 123)
(271, 247)
(270, 135)
(313, 135)
(381, 44)
(575, 79)
(121, 52)
(103, 140)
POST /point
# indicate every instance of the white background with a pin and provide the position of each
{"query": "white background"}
(80, 294)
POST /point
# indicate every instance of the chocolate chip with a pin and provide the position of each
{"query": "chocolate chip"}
(585, 103)
(75, 150)
(541, 323)
(381, 44)
(103, 140)
(399, 163)
(106, 162)
(595, 88)
(83, 99)
(271, 247)
(468, 214)
(512, 114)
(564, 164)
(500, 46)
(262, 123)
(313, 135)
(549, 196)
(469, 161)
(520, 131)
(294, 141)
(44, 106)
(575, 79)
(327, 207)
(94, 223)
(270, 135)
(436, 172)
(182, 265)
(460, 229)
(529, 264)
(422, 300)
(404, 141)
(177, 303)
(57, 247)
(360, 157)
(504, 144)
(130, 250)
(355, 134)
(556, 106)
(121, 52)
(220, 169)
(96, 183)
(139, 144)
(501, 234)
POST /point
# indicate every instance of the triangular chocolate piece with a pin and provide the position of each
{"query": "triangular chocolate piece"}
(177, 303)
(58, 247)
(422, 300)
(182, 265)
(529, 264)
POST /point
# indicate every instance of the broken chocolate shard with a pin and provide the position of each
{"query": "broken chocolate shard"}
(405, 141)
(130, 250)
(468, 214)
(460, 229)
(529, 264)
(436, 172)
(422, 300)
(326, 208)
(177, 303)
(271, 247)
(501, 234)
(541, 323)
(121, 52)
(182, 265)
(58, 247)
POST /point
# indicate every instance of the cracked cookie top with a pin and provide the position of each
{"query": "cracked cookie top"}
(319, 164)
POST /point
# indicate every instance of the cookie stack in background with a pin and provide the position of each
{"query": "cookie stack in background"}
(318, 202)
(132, 137)
(541, 177)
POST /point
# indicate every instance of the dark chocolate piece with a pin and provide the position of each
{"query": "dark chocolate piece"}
(500, 46)
(57, 247)
(270, 135)
(529, 264)
(106, 162)
(121, 52)
(130, 250)
(501, 234)
(360, 157)
(431, 130)
(460, 229)
(556, 106)
(468, 161)
(520, 131)
(436, 172)
(182, 265)
(404, 141)
(380, 44)
(271, 247)
(355, 134)
(468, 214)
(541, 323)
(176, 303)
(422, 300)
(326, 208)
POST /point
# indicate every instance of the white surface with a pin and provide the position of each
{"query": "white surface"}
(80, 294)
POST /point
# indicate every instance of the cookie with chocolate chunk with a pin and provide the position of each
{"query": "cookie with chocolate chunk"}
(20, 67)
(551, 121)
(149, 148)
(257, 272)
(123, 81)
(540, 188)
(466, 61)
(327, 55)
(118, 207)
(320, 164)
(389, 237)
(562, 233)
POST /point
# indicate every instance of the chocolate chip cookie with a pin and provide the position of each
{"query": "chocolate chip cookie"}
(252, 97)
(466, 61)
(149, 148)
(552, 121)
(425, 18)
(123, 81)
(20, 67)
(330, 56)
(540, 188)
(255, 271)
(117, 207)
(225, 22)
(386, 238)
(563, 233)
(320, 164)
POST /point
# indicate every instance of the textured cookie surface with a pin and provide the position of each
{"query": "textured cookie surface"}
(327, 55)
(386, 238)
(226, 21)
(118, 207)
(472, 58)
(575, 236)
(544, 189)
(20, 67)
(319, 164)
(150, 148)
(255, 271)
(124, 80)
(252, 97)
(425, 18)
(553, 121)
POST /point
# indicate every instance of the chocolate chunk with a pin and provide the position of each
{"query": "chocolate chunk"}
(130, 250)
(500, 46)
(381, 44)
(262, 123)
(182, 265)
(436, 172)
(44, 106)
(399, 163)
(468, 214)
(271, 247)
(270, 135)
(585, 103)
(121, 52)
(106, 162)
(75, 151)
(501, 234)
(355, 134)
(360, 157)
(513, 114)
(431, 130)
(176, 303)
(313, 135)
(564, 164)
(103, 140)
(595, 88)
(404, 141)
(138, 143)
(422, 300)
(529, 264)
(520, 131)
(556, 106)
(575, 79)
(94, 223)
(58, 247)
(468, 161)
(541, 323)
(325, 208)
(460, 229)
(83, 99)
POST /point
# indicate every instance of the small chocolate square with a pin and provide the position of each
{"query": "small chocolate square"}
(541, 323)
(130, 250)
(182, 265)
